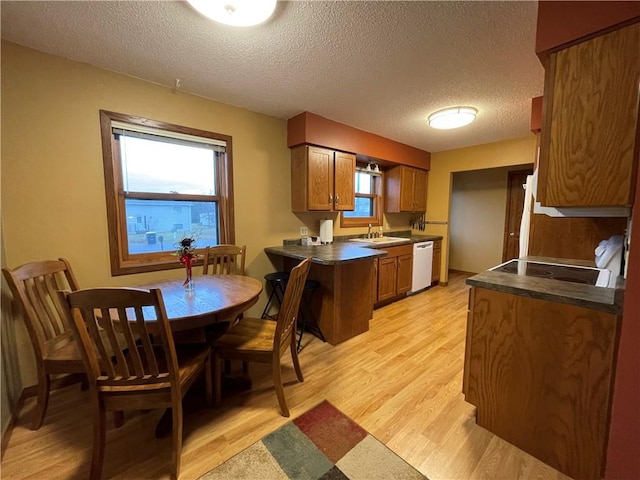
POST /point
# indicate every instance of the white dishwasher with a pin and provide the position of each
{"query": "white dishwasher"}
(422, 264)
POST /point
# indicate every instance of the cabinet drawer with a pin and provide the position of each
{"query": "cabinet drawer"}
(398, 250)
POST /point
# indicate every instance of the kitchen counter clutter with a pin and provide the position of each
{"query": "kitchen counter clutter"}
(540, 360)
(589, 296)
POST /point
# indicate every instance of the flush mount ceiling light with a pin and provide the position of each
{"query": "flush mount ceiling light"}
(452, 117)
(237, 13)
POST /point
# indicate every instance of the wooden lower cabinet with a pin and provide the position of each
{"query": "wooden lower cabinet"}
(437, 259)
(405, 272)
(540, 374)
(394, 273)
(343, 305)
(387, 278)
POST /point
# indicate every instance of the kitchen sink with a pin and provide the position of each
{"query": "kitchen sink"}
(380, 240)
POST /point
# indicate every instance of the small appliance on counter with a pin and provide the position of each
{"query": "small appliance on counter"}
(609, 255)
(326, 231)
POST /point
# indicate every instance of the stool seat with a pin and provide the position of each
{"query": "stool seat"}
(277, 277)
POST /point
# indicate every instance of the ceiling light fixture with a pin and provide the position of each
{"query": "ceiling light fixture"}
(452, 117)
(237, 13)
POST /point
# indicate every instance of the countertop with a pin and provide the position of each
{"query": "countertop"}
(589, 296)
(342, 252)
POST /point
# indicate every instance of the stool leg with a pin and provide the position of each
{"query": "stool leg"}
(280, 288)
(304, 321)
(309, 313)
(265, 312)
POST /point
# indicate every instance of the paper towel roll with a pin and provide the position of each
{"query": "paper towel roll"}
(326, 231)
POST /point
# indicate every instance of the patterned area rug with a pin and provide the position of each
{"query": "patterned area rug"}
(322, 444)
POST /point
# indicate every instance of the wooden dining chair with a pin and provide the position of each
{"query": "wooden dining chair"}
(224, 259)
(257, 340)
(147, 371)
(34, 286)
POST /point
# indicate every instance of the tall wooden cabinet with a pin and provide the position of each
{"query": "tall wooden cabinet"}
(406, 190)
(322, 179)
(590, 122)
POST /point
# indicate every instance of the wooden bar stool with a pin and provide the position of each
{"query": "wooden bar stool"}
(278, 283)
(306, 314)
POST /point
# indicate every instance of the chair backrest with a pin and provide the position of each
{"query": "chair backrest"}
(288, 313)
(224, 259)
(133, 359)
(35, 286)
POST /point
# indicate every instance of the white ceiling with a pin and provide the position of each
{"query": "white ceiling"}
(380, 66)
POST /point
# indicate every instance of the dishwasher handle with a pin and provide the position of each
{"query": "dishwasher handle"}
(423, 245)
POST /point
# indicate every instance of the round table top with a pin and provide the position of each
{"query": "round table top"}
(215, 298)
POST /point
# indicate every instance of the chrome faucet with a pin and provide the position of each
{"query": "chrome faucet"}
(369, 232)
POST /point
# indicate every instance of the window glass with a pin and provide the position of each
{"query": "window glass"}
(364, 182)
(368, 201)
(156, 225)
(150, 165)
(364, 208)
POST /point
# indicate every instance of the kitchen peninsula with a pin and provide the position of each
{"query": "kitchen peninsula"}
(344, 305)
(346, 272)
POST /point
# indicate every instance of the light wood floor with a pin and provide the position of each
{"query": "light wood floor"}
(401, 381)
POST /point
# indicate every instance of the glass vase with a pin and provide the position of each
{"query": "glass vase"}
(189, 283)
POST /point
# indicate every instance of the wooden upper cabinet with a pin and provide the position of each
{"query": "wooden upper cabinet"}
(319, 178)
(344, 179)
(590, 122)
(406, 190)
(322, 179)
(420, 190)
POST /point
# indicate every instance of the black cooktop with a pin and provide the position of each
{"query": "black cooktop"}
(565, 273)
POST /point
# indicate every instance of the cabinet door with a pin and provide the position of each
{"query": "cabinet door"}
(590, 122)
(420, 190)
(467, 349)
(387, 275)
(374, 281)
(407, 202)
(320, 179)
(344, 177)
(405, 270)
(437, 258)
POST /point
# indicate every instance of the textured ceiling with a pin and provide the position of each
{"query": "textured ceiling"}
(380, 66)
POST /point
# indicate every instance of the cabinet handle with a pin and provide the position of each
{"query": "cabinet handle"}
(331, 198)
(337, 199)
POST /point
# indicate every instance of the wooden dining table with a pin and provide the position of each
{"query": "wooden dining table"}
(215, 298)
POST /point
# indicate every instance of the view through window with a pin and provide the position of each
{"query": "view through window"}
(167, 182)
(368, 193)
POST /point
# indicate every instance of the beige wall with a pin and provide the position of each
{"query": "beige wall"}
(477, 218)
(53, 200)
(444, 164)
